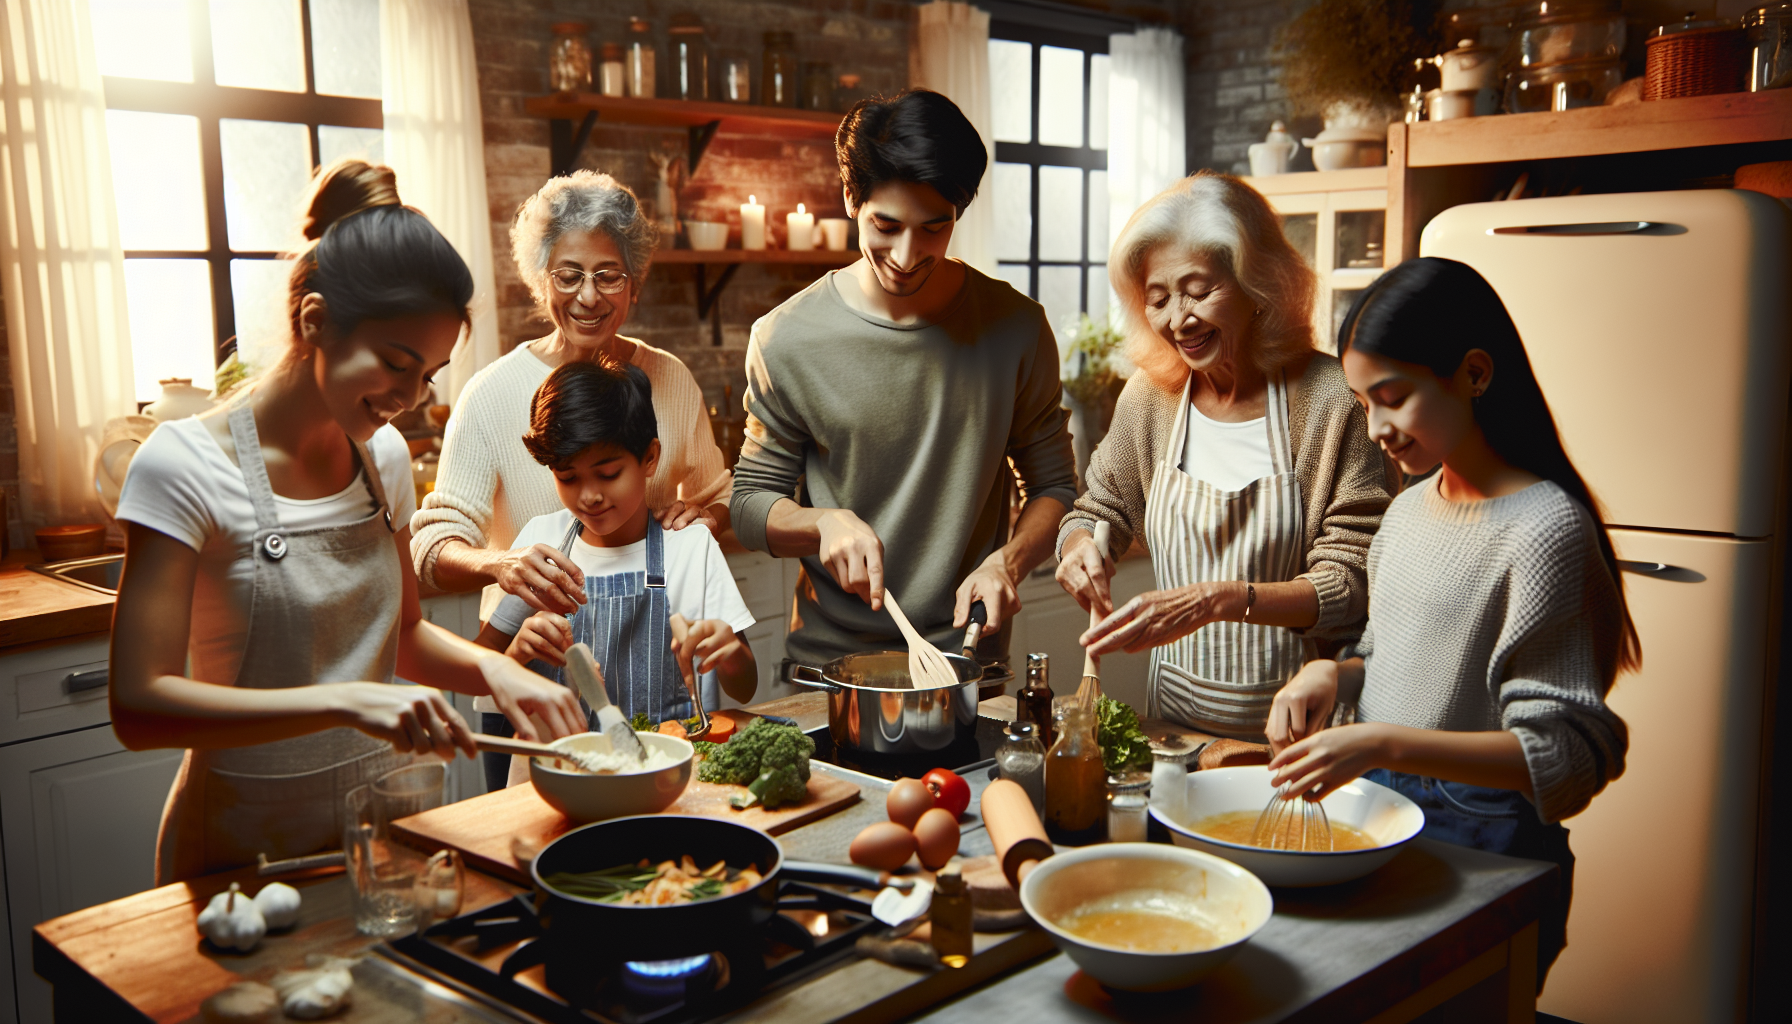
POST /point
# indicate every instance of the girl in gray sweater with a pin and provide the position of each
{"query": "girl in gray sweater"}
(1496, 618)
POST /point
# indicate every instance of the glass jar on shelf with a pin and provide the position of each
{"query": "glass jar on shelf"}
(639, 71)
(818, 85)
(612, 71)
(737, 79)
(1769, 29)
(778, 70)
(569, 58)
(690, 57)
(848, 93)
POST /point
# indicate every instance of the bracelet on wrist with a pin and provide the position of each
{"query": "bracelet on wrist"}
(1250, 598)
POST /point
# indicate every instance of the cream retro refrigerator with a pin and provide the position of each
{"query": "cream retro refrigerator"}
(1657, 324)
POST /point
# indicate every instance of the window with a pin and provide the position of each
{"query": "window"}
(1049, 92)
(218, 110)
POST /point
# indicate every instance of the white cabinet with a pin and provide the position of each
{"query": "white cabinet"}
(1336, 219)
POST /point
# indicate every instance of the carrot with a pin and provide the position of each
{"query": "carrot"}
(720, 728)
(673, 727)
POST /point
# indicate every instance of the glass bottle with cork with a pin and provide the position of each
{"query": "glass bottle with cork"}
(1034, 701)
(1075, 778)
(569, 58)
(950, 916)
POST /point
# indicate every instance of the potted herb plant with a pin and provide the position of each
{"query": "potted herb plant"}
(1347, 60)
(1092, 384)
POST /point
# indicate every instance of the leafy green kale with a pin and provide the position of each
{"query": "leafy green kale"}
(1122, 739)
(755, 750)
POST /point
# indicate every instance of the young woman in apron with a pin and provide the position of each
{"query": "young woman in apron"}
(266, 549)
(1497, 621)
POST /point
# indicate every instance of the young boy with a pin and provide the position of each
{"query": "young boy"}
(593, 426)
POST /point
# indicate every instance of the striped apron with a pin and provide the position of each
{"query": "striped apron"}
(1222, 677)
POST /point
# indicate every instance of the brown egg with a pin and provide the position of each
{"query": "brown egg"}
(936, 838)
(885, 846)
(908, 800)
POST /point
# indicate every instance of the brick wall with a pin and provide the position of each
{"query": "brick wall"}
(867, 37)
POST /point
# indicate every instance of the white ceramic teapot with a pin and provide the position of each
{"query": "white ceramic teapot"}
(1274, 153)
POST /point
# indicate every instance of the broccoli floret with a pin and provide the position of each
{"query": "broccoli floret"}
(774, 787)
(756, 749)
(640, 722)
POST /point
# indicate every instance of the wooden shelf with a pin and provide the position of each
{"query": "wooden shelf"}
(1731, 118)
(735, 118)
(1321, 181)
(819, 257)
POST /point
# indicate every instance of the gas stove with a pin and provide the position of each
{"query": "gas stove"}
(502, 954)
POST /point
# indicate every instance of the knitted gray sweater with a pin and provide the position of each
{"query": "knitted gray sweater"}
(1498, 614)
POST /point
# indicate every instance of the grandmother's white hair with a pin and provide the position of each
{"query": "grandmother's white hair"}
(580, 201)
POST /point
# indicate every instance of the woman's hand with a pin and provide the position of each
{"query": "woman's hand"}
(1085, 574)
(1303, 705)
(544, 636)
(543, 577)
(710, 645)
(411, 718)
(853, 555)
(678, 515)
(991, 584)
(540, 710)
(1330, 758)
(1157, 617)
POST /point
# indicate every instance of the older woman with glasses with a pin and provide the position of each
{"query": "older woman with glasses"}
(1237, 454)
(583, 245)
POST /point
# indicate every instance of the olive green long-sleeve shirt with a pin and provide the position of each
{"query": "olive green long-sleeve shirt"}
(909, 427)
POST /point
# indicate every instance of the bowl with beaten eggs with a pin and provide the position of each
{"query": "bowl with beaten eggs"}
(1369, 825)
(1144, 916)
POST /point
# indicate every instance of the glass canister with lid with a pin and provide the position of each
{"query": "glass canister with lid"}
(778, 71)
(640, 70)
(1769, 29)
(1556, 31)
(569, 58)
(690, 57)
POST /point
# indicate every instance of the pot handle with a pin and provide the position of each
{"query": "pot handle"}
(841, 874)
(804, 675)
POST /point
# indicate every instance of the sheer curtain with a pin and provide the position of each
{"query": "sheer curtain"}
(950, 55)
(1146, 129)
(61, 265)
(430, 93)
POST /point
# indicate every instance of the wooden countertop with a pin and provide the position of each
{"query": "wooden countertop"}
(34, 607)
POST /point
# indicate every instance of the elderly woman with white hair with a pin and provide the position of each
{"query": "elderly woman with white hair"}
(584, 246)
(1237, 454)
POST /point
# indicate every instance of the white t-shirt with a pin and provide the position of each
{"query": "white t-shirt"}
(1230, 456)
(699, 584)
(182, 484)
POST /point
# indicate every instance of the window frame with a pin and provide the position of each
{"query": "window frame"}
(211, 103)
(1035, 154)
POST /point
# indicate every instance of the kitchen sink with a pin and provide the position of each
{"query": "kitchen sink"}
(99, 573)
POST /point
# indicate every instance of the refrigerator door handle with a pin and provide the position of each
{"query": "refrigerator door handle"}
(1615, 227)
(1648, 568)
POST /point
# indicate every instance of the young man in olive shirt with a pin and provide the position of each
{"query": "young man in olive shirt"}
(886, 400)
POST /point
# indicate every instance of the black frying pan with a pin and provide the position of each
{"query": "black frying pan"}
(678, 929)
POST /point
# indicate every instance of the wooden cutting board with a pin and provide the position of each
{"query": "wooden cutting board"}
(486, 829)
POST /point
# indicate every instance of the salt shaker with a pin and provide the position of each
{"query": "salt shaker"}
(1021, 759)
(1169, 785)
(1129, 800)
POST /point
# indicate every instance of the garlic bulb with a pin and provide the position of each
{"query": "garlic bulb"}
(231, 921)
(248, 1002)
(319, 992)
(279, 905)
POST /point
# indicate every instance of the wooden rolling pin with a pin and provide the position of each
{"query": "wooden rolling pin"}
(1014, 829)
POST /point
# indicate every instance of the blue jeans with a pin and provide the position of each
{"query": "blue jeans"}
(497, 766)
(1497, 821)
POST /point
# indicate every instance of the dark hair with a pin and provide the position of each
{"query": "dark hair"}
(370, 257)
(1433, 312)
(582, 404)
(916, 135)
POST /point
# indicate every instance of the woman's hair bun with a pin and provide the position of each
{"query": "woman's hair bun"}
(344, 189)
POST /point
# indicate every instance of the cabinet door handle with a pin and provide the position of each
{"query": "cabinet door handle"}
(1616, 227)
(1648, 568)
(93, 679)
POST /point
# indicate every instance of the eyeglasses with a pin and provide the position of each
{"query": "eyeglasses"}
(571, 281)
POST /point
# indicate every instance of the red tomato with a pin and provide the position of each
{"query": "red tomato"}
(950, 791)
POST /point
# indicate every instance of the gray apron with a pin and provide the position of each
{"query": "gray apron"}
(325, 609)
(1222, 677)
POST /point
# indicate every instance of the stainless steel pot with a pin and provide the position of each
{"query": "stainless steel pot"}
(872, 707)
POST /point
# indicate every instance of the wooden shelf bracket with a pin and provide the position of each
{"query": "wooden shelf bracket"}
(707, 298)
(564, 143)
(701, 134)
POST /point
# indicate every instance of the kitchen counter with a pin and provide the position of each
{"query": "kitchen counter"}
(35, 608)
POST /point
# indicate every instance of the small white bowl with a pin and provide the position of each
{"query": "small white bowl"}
(1390, 818)
(707, 235)
(584, 797)
(1235, 902)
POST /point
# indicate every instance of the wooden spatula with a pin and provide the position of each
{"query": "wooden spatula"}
(1089, 690)
(927, 665)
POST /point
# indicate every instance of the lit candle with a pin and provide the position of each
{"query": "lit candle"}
(752, 224)
(801, 226)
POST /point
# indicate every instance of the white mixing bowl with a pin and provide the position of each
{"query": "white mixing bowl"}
(1391, 819)
(584, 797)
(1233, 902)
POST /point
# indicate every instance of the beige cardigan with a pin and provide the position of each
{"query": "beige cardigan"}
(1345, 484)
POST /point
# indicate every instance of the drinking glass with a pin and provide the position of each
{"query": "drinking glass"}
(385, 873)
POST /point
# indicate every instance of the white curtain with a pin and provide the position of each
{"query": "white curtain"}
(950, 55)
(60, 259)
(430, 93)
(1146, 128)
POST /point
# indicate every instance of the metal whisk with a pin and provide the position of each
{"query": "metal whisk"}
(1282, 827)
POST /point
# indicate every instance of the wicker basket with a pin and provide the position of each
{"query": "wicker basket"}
(1696, 62)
